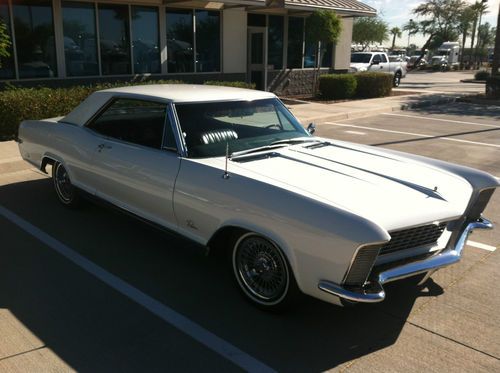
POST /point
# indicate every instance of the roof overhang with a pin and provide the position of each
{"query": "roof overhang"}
(346, 8)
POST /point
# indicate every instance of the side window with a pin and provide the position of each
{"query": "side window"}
(376, 58)
(384, 58)
(135, 121)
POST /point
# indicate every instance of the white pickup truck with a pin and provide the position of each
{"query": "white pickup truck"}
(378, 62)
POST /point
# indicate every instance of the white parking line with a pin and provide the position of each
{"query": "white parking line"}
(480, 245)
(356, 132)
(182, 323)
(413, 134)
(441, 120)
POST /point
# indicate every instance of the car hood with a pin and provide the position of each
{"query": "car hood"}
(392, 191)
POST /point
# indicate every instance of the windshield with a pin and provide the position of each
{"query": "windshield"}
(242, 125)
(361, 57)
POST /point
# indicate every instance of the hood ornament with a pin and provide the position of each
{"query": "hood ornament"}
(435, 188)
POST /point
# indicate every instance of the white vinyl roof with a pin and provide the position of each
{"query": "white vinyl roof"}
(177, 93)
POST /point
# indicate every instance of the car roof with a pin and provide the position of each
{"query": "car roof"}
(176, 93)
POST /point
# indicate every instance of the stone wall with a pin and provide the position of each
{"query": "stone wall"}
(294, 82)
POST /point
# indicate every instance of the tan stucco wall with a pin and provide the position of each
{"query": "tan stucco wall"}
(234, 41)
(342, 57)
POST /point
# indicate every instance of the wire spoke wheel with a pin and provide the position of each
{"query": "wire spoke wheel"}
(261, 269)
(62, 184)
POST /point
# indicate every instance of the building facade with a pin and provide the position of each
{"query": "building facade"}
(261, 41)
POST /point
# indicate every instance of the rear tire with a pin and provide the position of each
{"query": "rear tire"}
(65, 191)
(263, 273)
(397, 79)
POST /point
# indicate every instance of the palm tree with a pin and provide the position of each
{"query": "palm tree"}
(479, 7)
(466, 18)
(396, 33)
(496, 55)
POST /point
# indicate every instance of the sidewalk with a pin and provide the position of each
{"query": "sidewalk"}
(319, 113)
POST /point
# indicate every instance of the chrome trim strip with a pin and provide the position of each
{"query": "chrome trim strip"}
(443, 259)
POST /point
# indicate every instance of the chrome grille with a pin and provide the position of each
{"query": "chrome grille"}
(413, 237)
(362, 265)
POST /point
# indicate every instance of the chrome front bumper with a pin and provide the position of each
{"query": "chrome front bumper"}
(376, 292)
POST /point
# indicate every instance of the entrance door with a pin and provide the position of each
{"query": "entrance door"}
(257, 57)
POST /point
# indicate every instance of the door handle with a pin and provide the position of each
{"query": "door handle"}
(103, 146)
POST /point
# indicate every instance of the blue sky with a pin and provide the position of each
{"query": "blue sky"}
(398, 12)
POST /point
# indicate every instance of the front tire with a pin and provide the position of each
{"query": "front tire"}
(65, 191)
(262, 273)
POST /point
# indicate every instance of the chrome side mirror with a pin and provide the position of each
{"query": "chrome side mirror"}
(311, 128)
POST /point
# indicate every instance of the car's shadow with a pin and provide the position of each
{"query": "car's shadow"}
(47, 295)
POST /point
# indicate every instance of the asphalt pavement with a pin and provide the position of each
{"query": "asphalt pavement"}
(95, 290)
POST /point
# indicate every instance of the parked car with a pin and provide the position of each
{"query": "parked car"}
(232, 169)
(379, 62)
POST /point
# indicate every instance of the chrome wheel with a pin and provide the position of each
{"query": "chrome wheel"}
(62, 183)
(261, 269)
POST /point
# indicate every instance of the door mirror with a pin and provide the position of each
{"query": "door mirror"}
(311, 128)
(375, 62)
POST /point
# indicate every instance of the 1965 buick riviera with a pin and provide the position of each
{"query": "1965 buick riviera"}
(233, 168)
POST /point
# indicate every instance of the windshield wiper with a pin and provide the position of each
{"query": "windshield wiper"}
(255, 150)
(295, 141)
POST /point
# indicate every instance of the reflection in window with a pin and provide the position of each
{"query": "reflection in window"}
(145, 43)
(80, 46)
(136, 121)
(275, 42)
(35, 45)
(327, 55)
(114, 39)
(207, 41)
(6, 63)
(295, 42)
(180, 41)
(310, 51)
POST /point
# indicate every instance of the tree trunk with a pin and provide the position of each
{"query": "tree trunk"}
(473, 37)
(422, 53)
(464, 37)
(393, 41)
(496, 55)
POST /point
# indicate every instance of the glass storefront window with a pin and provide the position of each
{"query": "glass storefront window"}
(310, 51)
(6, 63)
(114, 39)
(35, 44)
(80, 42)
(180, 48)
(295, 42)
(275, 42)
(207, 41)
(145, 42)
(326, 60)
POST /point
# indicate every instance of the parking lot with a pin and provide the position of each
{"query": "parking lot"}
(95, 290)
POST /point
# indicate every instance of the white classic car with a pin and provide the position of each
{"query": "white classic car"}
(233, 169)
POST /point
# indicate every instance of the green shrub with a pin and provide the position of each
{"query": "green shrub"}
(230, 84)
(493, 86)
(337, 86)
(482, 75)
(372, 84)
(18, 104)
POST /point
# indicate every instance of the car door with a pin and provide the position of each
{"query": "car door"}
(376, 64)
(136, 162)
(385, 65)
